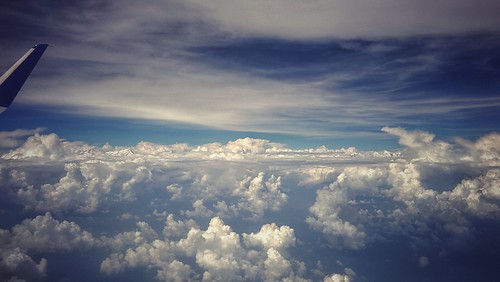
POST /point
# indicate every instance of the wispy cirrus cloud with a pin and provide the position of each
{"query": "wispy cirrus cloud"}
(325, 19)
(200, 66)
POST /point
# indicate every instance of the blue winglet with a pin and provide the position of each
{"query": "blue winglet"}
(12, 80)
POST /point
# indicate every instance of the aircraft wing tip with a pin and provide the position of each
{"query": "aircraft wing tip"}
(41, 45)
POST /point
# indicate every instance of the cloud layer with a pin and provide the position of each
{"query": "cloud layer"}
(223, 211)
(325, 19)
(317, 68)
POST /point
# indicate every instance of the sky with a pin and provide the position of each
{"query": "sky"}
(168, 140)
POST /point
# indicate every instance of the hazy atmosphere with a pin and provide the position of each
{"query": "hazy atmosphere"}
(252, 141)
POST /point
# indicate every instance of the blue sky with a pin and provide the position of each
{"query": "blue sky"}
(341, 127)
(331, 78)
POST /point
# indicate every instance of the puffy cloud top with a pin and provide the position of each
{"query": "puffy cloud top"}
(181, 199)
(40, 234)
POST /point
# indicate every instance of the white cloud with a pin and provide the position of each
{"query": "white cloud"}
(258, 195)
(42, 146)
(141, 55)
(365, 196)
(199, 210)
(196, 20)
(479, 196)
(271, 236)
(177, 228)
(220, 252)
(347, 277)
(276, 266)
(85, 186)
(127, 239)
(422, 144)
(16, 264)
(95, 175)
(11, 139)
(169, 94)
(42, 234)
(486, 149)
(353, 19)
(331, 200)
(337, 278)
(410, 208)
(317, 175)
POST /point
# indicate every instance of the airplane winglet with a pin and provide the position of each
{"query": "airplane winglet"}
(14, 78)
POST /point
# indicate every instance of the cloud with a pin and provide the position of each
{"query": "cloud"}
(422, 144)
(331, 200)
(16, 265)
(347, 277)
(221, 253)
(42, 234)
(10, 139)
(251, 205)
(423, 261)
(249, 198)
(337, 278)
(411, 208)
(259, 195)
(40, 146)
(271, 236)
(478, 196)
(94, 175)
(277, 18)
(85, 186)
(323, 19)
(124, 60)
(169, 95)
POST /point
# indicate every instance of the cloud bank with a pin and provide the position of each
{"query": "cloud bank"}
(217, 211)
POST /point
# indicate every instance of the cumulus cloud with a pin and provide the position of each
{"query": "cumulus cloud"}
(42, 234)
(220, 252)
(411, 207)
(478, 196)
(338, 278)
(17, 266)
(423, 145)
(12, 139)
(85, 186)
(330, 201)
(249, 198)
(271, 236)
(42, 146)
(94, 175)
(180, 198)
(259, 195)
